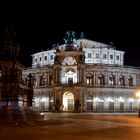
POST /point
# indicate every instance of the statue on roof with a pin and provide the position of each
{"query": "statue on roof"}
(70, 37)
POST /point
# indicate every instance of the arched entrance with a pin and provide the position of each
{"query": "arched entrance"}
(68, 101)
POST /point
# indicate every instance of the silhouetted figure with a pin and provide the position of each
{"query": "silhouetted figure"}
(11, 44)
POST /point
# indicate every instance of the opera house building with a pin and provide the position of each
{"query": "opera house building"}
(82, 75)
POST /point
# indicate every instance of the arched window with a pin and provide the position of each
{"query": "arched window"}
(89, 79)
(112, 79)
(42, 80)
(34, 81)
(130, 80)
(89, 98)
(121, 80)
(89, 103)
(99, 104)
(101, 79)
(29, 79)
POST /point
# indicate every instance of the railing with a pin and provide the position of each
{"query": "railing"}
(111, 86)
(112, 65)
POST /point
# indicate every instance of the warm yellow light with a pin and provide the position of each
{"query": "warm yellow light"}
(138, 94)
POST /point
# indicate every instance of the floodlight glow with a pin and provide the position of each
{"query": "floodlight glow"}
(121, 99)
(44, 99)
(110, 99)
(130, 100)
(138, 94)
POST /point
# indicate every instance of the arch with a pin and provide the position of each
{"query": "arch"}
(68, 101)
(112, 79)
(34, 81)
(121, 80)
(101, 79)
(89, 79)
(130, 81)
(110, 101)
(44, 103)
(89, 97)
(89, 103)
(70, 76)
(42, 80)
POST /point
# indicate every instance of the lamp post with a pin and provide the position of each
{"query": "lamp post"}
(138, 95)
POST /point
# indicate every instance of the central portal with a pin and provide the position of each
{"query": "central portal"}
(68, 101)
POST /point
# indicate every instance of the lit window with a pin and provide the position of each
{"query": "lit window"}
(35, 59)
(89, 79)
(101, 79)
(111, 79)
(111, 56)
(130, 81)
(97, 55)
(121, 80)
(104, 56)
(89, 55)
(117, 57)
(51, 57)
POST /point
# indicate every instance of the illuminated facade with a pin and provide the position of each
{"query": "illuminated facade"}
(83, 75)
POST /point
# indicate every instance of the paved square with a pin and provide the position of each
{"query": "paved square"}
(75, 126)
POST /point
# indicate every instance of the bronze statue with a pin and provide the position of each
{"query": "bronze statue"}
(11, 45)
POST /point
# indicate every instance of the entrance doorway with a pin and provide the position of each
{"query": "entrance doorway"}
(44, 104)
(68, 101)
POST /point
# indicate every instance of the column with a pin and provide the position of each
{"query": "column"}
(78, 75)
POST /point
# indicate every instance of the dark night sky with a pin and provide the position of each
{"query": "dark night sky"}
(39, 27)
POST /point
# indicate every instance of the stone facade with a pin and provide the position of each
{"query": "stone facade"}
(83, 75)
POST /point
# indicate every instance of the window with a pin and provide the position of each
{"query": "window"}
(130, 106)
(34, 81)
(111, 106)
(89, 103)
(104, 56)
(111, 79)
(45, 57)
(121, 80)
(51, 57)
(89, 79)
(89, 55)
(35, 59)
(70, 81)
(130, 81)
(40, 59)
(101, 79)
(117, 57)
(97, 55)
(122, 106)
(111, 56)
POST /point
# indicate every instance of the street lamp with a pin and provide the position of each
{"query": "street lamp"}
(138, 95)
